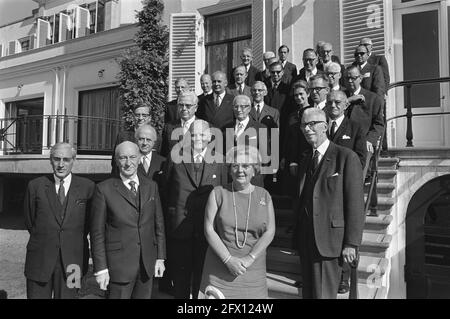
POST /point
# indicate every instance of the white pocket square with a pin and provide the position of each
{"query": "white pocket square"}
(366, 75)
(214, 176)
(335, 174)
(346, 137)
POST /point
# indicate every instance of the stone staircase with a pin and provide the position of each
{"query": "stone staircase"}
(283, 263)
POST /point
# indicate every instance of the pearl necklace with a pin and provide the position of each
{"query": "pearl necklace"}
(235, 219)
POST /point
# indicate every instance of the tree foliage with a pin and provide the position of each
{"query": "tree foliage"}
(144, 68)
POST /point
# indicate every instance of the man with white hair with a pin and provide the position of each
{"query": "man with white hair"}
(333, 72)
(171, 112)
(377, 59)
(191, 178)
(265, 74)
(252, 72)
(329, 207)
(151, 163)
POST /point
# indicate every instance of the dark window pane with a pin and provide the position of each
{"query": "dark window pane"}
(421, 56)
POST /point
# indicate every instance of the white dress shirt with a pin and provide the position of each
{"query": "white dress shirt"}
(322, 149)
(338, 121)
(147, 158)
(244, 123)
(67, 181)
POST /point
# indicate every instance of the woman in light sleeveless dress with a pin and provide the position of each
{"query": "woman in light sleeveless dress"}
(239, 226)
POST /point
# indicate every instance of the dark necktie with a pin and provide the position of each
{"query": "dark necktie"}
(133, 188)
(61, 192)
(315, 161)
(217, 101)
(145, 163)
(333, 130)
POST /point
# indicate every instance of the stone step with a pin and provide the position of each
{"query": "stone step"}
(385, 204)
(383, 189)
(377, 224)
(387, 176)
(287, 261)
(281, 285)
(374, 244)
(367, 292)
(388, 162)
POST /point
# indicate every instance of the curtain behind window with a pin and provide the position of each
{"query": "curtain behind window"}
(100, 113)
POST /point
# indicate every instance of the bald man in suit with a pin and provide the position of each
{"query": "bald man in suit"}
(127, 230)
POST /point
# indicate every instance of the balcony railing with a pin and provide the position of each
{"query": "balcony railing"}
(33, 134)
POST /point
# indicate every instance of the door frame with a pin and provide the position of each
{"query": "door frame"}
(400, 9)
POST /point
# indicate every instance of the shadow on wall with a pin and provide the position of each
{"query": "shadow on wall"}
(294, 14)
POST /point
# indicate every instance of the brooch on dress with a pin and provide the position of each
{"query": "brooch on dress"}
(262, 201)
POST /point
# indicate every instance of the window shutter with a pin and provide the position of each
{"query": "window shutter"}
(43, 33)
(185, 50)
(65, 27)
(82, 22)
(362, 19)
(1, 50)
(258, 32)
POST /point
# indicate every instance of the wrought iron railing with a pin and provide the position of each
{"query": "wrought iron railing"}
(408, 85)
(31, 134)
(409, 128)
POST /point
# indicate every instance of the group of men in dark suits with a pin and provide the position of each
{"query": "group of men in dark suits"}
(122, 214)
(150, 202)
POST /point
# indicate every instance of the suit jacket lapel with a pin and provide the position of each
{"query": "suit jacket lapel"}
(53, 199)
(306, 161)
(144, 194)
(326, 160)
(124, 192)
(340, 130)
(190, 172)
(71, 197)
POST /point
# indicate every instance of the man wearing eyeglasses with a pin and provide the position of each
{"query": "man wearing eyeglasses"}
(246, 61)
(333, 71)
(377, 59)
(244, 129)
(56, 215)
(127, 230)
(319, 88)
(373, 79)
(329, 206)
(366, 108)
(326, 57)
(309, 66)
(187, 107)
(141, 116)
